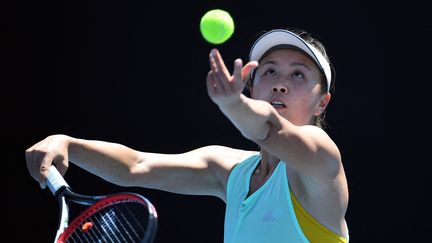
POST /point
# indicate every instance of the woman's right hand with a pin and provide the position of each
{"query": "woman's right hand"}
(52, 150)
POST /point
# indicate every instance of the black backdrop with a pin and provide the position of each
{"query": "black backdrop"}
(134, 72)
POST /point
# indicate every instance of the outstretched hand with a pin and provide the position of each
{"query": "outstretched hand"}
(222, 87)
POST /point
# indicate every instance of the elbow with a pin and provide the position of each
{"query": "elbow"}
(135, 174)
(131, 174)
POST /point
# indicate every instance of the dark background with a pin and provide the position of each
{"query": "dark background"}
(133, 72)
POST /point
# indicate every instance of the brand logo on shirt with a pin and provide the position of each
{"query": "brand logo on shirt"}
(273, 215)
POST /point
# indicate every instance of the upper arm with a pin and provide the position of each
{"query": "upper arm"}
(308, 149)
(203, 171)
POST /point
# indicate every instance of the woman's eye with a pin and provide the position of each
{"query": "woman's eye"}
(269, 72)
(297, 74)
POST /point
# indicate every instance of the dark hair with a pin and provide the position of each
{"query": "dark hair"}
(317, 120)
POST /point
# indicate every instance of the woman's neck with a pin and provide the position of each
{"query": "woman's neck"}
(267, 164)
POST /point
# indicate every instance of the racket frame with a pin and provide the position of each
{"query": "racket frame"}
(62, 191)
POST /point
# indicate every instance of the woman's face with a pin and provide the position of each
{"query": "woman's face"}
(290, 81)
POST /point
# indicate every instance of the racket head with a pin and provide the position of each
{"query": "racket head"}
(121, 217)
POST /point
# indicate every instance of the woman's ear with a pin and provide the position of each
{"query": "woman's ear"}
(324, 101)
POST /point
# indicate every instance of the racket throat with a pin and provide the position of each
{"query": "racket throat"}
(64, 218)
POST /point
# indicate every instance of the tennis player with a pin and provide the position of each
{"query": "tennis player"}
(293, 189)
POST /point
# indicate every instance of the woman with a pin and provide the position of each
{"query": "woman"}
(293, 190)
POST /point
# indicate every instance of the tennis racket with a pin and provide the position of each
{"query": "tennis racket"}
(121, 217)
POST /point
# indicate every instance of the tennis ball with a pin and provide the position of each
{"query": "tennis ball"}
(217, 26)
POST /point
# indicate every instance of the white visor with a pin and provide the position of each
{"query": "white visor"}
(281, 37)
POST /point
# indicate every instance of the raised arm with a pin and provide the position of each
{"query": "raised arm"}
(305, 148)
(203, 171)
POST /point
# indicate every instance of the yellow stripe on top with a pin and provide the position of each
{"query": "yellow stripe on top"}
(314, 230)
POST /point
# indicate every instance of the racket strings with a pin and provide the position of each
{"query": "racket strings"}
(121, 222)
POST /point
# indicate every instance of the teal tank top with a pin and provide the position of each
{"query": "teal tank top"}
(265, 216)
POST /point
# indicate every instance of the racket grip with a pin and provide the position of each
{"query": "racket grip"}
(55, 180)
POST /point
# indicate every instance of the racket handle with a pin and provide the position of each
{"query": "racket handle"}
(55, 180)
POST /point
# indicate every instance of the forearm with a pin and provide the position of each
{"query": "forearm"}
(250, 116)
(110, 161)
(185, 173)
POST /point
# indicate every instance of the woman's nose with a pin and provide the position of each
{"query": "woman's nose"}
(280, 88)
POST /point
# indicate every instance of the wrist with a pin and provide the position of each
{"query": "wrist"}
(233, 104)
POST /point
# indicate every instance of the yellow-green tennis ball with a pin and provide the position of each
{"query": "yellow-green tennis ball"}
(217, 26)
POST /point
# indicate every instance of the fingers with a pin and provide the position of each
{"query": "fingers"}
(43, 170)
(42, 155)
(218, 65)
(248, 68)
(212, 84)
(215, 77)
(38, 163)
(219, 68)
(223, 88)
(237, 70)
(221, 74)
